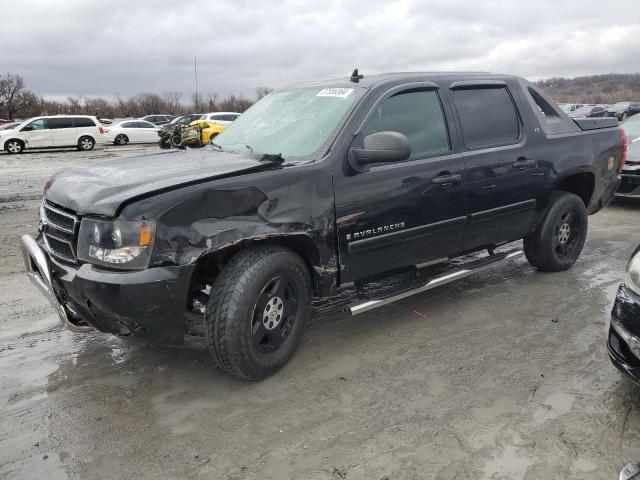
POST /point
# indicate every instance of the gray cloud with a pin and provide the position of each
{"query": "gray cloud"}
(103, 48)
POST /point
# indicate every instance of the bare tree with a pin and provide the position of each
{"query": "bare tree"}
(212, 101)
(172, 102)
(263, 92)
(150, 103)
(13, 96)
(197, 102)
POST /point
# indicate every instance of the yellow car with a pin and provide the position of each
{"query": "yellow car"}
(200, 132)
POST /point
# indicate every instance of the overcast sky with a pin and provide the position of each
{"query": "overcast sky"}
(80, 47)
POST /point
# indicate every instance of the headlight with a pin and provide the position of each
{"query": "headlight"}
(632, 279)
(117, 244)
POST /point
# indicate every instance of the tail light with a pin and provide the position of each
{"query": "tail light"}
(101, 130)
(625, 147)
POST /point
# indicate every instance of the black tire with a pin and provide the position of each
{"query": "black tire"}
(121, 139)
(558, 239)
(86, 143)
(14, 146)
(244, 335)
(176, 140)
(164, 143)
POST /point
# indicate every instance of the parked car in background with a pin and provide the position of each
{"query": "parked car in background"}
(158, 119)
(9, 126)
(631, 127)
(4, 121)
(131, 131)
(630, 183)
(221, 118)
(107, 121)
(80, 131)
(569, 107)
(200, 132)
(171, 133)
(590, 111)
(624, 329)
(622, 110)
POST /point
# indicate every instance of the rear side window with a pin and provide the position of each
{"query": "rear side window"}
(416, 114)
(487, 116)
(129, 125)
(145, 125)
(83, 122)
(55, 123)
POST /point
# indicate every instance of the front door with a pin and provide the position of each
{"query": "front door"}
(403, 213)
(37, 134)
(503, 178)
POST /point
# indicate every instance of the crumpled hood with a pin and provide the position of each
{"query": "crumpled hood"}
(102, 187)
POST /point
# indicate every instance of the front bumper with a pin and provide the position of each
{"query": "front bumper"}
(630, 184)
(625, 329)
(151, 301)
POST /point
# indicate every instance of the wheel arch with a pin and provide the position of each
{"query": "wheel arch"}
(210, 263)
(581, 183)
(24, 143)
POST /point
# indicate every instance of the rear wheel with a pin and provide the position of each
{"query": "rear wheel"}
(14, 146)
(121, 139)
(257, 311)
(86, 143)
(557, 241)
(176, 140)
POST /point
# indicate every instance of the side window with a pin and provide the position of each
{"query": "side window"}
(60, 122)
(145, 125)
(544, 107)
(83, 122)
(416, 114)
(39, 124)
(129, 125)
(487, 116)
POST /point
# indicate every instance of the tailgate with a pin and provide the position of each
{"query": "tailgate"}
(596, 123)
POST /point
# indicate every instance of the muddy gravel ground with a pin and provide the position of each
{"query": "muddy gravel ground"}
(503, 375)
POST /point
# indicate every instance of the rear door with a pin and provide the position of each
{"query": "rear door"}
(400, 214)
(146, 131)
(503, 178)
(62, 133)
(37, 134)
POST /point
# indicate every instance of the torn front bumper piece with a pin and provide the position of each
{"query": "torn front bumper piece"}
(149, 302)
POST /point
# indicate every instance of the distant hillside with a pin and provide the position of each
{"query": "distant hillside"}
(610, 88)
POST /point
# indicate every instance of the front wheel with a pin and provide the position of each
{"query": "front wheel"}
(257, 311)
(557, 241)
(14, 146)
(121, 139)
(86, 143)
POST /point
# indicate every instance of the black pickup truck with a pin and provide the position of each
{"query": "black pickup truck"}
(320, 187)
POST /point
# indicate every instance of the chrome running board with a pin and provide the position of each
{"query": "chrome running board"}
(462, 271)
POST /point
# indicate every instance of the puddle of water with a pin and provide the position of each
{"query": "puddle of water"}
(507, 465)
(555, 405)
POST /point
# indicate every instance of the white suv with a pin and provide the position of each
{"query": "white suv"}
(80, 131)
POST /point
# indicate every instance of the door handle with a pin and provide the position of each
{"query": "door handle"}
(523, 163)
(446, 181)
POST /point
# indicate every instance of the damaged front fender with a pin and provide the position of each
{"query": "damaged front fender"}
(292, 206)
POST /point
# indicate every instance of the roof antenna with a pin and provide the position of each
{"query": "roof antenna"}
(355, 77)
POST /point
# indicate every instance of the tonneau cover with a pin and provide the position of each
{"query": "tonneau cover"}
(596, 123)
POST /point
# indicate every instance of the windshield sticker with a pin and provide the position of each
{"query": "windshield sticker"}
(335, 92)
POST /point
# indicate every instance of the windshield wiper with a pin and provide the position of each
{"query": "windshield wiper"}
(273, 158)
(217, 147)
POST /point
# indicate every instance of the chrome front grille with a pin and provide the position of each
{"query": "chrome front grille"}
(59, 219)
(59, 231)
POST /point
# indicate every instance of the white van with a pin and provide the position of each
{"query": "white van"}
(80, 131)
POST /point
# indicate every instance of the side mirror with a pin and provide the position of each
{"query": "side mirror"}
(27, 128)
(380, 147)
